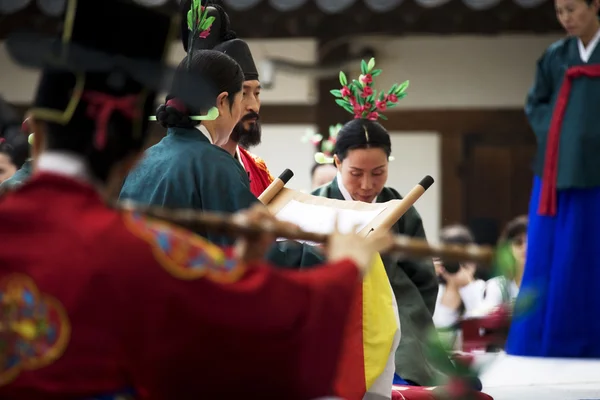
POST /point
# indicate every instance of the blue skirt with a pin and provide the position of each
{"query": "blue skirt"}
(562, 273)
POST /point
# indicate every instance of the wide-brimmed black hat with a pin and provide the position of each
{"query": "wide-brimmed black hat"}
(109, 59)
(221, 38)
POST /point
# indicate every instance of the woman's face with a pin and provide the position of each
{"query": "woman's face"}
(228, 116)
(7, 168)
(577, 17)
(519, 249)
(364, 173)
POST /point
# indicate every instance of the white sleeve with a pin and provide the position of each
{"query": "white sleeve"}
(472, 296)
(444, 317)
(493, 293)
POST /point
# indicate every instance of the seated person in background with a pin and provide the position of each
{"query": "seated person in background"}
(460, 293)
(15, 166)
(7, 165)
(505, 288)
(322, 174)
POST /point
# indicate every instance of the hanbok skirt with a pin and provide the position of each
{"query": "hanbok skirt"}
(558, 308)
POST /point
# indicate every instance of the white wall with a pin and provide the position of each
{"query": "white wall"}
(417, 154)
(445, 72)
(459, 71)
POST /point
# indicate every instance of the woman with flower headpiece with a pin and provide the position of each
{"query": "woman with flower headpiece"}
(99, 303)
(361, 152)
(322, 173)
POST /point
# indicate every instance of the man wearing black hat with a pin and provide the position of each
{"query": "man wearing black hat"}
(247, 132)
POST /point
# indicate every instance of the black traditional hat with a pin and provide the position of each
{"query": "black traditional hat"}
(109, 59)
(221, 38)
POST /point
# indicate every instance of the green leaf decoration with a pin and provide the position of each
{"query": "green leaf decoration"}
(334, 130)
(383, 117)
(336, 93)
(375, 73)
(321, 158)
(341, 102)
(371, 64)
(363, 67)
(343, 80)
(190, 20)
(207, 23)
(402, 88)
(327, 146)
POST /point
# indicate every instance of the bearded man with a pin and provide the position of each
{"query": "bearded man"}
(247, 133)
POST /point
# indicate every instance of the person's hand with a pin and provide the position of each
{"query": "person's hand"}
(252, 249)
(359, 249)
(464, 276)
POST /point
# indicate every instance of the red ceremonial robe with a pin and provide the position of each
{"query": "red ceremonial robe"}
(96, 302)
(260, 177)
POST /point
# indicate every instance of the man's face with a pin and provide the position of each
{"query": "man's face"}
(247, 132)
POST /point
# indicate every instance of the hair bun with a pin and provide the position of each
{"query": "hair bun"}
(169, 116)
(229, 35)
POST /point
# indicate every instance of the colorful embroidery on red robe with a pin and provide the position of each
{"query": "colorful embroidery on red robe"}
(182, 253)
(34, 327)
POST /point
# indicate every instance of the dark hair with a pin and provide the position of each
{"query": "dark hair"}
(456, 234)
(225, 33)
(223, 72)
(515, 228)
(361, 134)
(124, 136)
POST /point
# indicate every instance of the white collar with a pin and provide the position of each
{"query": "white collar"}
(586, 52)
(344, 191)
(205, 132)
(64, 163)
(239, 157)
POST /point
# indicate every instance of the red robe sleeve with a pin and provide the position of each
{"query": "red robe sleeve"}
(258, 173)
(203, 326)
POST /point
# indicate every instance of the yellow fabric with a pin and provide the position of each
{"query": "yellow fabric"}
(379, 321)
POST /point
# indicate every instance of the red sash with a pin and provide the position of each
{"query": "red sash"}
(548, 196)
(259, 175)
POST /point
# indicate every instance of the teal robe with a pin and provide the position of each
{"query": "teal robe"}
(184, 170)
(19, 177)
(415, 286)
(578, 161)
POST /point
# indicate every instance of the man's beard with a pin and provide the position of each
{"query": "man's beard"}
(247, 137)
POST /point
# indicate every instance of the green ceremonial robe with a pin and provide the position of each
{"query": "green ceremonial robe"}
(578, 160)
(184, 170)
(415, 286)
(19, 177)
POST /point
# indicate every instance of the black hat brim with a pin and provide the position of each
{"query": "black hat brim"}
(37, 51)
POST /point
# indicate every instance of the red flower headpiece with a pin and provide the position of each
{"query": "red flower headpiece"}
(359, 98)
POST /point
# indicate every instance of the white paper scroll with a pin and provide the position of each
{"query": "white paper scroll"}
(321, 219)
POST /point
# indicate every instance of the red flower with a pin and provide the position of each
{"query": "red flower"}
(366, 92)
(392, 98)
(373, 116)
(352, 100)
(358, 109)
(381, 105)
(346, 92)
(366, 79)
(204, 34)
(367, 106)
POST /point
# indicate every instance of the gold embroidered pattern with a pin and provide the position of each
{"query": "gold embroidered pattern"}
(182, 253)
(34, 327)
